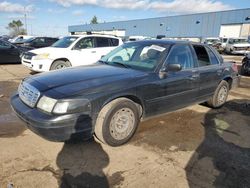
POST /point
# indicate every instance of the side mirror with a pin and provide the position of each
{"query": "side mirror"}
(174, 67)
(169, 68)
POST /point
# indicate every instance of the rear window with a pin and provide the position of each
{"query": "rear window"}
(213, 58)
(114, 42)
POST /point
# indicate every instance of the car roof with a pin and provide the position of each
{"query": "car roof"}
(94, 35)
(167, 41)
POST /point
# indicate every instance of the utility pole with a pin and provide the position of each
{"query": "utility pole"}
(25, 20)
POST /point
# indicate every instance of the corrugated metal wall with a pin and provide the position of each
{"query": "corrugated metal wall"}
(195, 25)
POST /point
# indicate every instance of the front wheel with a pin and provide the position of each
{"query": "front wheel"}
(220, 95)
(60, 64)
(117, 122)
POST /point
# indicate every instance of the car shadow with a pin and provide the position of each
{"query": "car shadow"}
(81, 165)
(223, 158)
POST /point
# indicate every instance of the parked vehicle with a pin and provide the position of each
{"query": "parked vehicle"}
(20, 38)
(237, 46)
(245, 67)
(9, 53)
(211, 41)
(70, 51)
(37, 42)
(224, 42)
(216, 43)
(135, 81)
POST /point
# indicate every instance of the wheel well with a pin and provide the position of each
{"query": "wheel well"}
(133, 98)
(61, 59)
(229, 81)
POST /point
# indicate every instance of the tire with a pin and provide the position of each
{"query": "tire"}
(109, 129)
(220, 95)
(243, 66)
(60, 64)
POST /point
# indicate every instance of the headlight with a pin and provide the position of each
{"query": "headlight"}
(48, 104)
(72, 106)
(41, 56)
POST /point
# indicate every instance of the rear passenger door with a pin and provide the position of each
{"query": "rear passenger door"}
(209, 70)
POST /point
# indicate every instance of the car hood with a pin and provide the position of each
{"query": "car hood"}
(241, 45)
(84, 80)
(48, 50)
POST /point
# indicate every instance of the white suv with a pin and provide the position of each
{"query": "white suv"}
(70, 51)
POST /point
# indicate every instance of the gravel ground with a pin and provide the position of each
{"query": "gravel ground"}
(193, 147)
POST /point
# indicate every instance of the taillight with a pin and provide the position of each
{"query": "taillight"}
(235, 67)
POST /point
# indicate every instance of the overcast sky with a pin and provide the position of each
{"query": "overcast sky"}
(52, 17)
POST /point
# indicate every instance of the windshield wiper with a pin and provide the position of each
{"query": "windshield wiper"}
(121, 64)
(104, 62)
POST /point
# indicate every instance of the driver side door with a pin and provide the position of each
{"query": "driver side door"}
(178, 88)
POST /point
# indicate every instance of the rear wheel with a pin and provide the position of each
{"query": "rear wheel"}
(220, 95)
(117, 122)
(243, 67)
(60, 64)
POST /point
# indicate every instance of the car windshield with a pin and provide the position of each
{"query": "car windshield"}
(237, 41)
(143, 56)
(65, 42)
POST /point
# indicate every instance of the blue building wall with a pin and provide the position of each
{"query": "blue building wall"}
(193, 25)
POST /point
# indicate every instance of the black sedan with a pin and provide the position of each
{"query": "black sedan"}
(37, 42)
(135, 81)
(245, 68)
(10, 53)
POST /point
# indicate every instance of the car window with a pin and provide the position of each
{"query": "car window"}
(181, 54)
(114, 42)
(39, 40)
(213, 58)
(202, 55)
(4, 45)
(85, 43)
(102, 42)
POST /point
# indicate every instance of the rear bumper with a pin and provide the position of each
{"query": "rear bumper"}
(236, 82)
(51, 127)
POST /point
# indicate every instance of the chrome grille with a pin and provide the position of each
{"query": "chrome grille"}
(28, 94)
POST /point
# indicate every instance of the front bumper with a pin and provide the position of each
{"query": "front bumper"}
(52, 127)
(37, 65)
(240, 52)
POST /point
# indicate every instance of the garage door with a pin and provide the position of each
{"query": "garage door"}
(230, 30)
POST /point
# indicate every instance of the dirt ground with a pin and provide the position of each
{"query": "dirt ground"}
(193, 147)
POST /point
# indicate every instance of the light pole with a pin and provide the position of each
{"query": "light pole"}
(25, 20)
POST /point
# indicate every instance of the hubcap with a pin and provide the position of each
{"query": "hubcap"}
(60, 66)
(122, 123)
(222, 95)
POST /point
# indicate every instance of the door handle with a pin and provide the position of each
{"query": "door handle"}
(93, 51)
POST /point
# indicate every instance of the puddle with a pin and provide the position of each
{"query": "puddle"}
(177, 131)
(10, 125)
